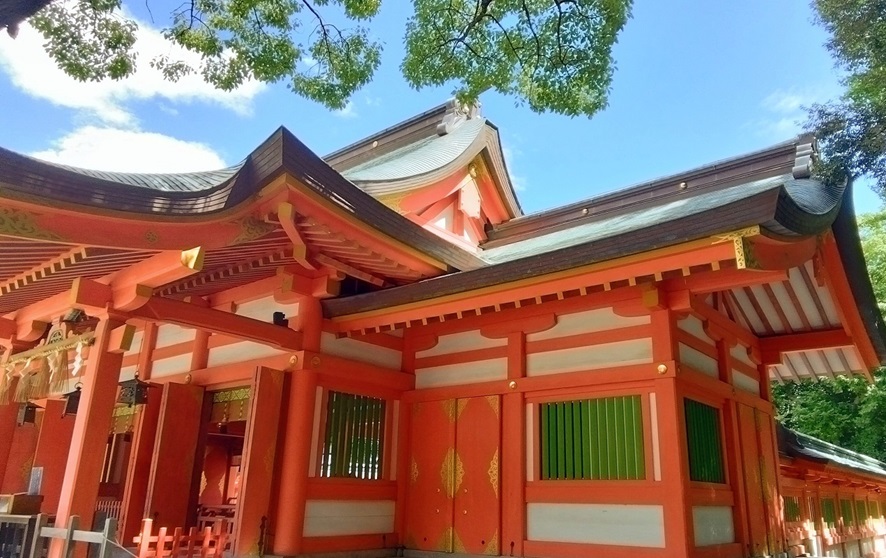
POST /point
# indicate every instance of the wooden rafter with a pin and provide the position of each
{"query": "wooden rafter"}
(288, 218)
(350, 270)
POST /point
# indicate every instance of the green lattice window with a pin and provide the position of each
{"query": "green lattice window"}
(829, 512)
(596, 439)
(704, 443)
(355, 429)
(874, 509)
(861, 511)
(846, 511)
(792, 508)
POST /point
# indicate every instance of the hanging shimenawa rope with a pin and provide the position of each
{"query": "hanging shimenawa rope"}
(59, 372)
(43, 370)
(6, 378)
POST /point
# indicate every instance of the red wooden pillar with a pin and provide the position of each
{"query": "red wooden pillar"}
(79, 489)
(679, 538)
(289, 528)
(404, 436)
(310, 322)
(53, 445)
(135, 492)
(513, 446)
(296, 448)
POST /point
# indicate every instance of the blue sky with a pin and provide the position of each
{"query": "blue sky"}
(696, 81)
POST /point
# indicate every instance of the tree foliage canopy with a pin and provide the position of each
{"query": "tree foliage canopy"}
(852, 129)
(852, 133)
(554, 55)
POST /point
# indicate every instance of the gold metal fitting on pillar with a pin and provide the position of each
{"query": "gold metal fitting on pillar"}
(512, 384)
(662, 369)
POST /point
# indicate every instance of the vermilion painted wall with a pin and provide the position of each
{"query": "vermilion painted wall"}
(21, 457)
(51, 452)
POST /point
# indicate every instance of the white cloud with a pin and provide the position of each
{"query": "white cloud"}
(347, 112)
(114, 149)
(787, 101)
(783, 111)
(31, 70)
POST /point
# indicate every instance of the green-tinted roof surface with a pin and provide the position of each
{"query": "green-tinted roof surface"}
(796, 444)
(421, 157)
(811, 196)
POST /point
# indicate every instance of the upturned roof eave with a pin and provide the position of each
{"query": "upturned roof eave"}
(47, 185)
(487, 143)
(760, 209)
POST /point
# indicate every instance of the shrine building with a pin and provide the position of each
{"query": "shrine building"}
(376, 353)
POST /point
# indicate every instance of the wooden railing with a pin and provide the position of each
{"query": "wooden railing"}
(28, 536)
(210, 542)
(19, 535)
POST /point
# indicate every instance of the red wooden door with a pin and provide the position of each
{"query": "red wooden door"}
(169, 483)
(454, 503)
(257, 464)
(477, 504)
(431, 470)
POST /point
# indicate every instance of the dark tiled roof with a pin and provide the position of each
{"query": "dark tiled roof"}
(768, 202)
(161, 182)
(795, 444)
(197, 194)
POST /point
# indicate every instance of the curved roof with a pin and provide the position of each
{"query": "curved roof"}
(781, 204)
(162, 182)
(179, 193)
(424, 149)
(806, 207)
(193, 195)
(424, 156)
(797, 444)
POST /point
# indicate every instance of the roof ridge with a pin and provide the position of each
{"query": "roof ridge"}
(439, 120)
(654, 190)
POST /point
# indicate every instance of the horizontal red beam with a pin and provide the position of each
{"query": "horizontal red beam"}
(216, 321)
(773, 347)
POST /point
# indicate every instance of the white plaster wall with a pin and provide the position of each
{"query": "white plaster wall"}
(745, 382)
(599, 319)
(171, 334)
(740, 353)
(695, 327)
(127, 372)
(591, 357)
(240, 352)
(445, 218)
(698, 360)
(611, 524)
(327, 518)
(713, 525)
(170, 366)
(459, 342)
(462, 373)
(360, 351)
